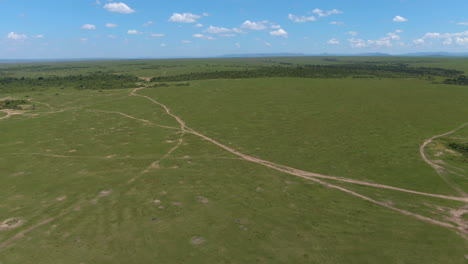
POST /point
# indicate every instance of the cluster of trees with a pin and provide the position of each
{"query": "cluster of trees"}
(12, 104)
(94, 81)
(318, 71)
(460, 80)
(460, 147)
(163, 84)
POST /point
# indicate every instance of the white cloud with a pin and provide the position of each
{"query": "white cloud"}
(387, 41)
(217, 30)
(112, 36)
(149, 23)
(223, 31)
(399, 19)
(393, 36)
(198, 25)
(163, 45)
(459, 38)
(333, 41)
(431, 35)
(84, 40)
(337, 23)
(352, 33)
(461, 41)
(267, 44)
(110, 25)
(301, 19)
(275, 26)
(203, 36)
(156, 35)
(16, 36)
(184, 18)
(398, 31)
(254, 25)
(121, 8)
(357, 43)
(186, 41)
(205, 14)
(448, 41)
(39, 36)
(463, 23)
(279, 33)
(88, 27)
(322, 13)
(134, 32)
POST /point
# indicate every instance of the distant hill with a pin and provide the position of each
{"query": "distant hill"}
(435, 54)
(254, 55)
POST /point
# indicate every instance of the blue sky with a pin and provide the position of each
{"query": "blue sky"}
(50, 29)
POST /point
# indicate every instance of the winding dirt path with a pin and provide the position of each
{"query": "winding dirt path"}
(10, 113)
(439, 169)
(132, 117)
(314, 176)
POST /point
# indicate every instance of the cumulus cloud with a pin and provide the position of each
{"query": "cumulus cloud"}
(387, 41)
(322, 13)
(399, 19)
(186, 41)
(184, 18)
(110, 25)
(157, 35)
(198, 25)
(352, 33)
(279, 33)
(203, 36)
(254, 25)
(458, 38)
(317, 12)
(461, 41)
(217, 30)
(301, 19)
(134, 32)
(16, 36)
(222, 30)
(333, 41)
(121, 8)
(39, 36)
(149, 23)
(463, 23)
(88, 27)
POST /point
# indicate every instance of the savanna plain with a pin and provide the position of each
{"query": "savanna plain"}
(241, 160)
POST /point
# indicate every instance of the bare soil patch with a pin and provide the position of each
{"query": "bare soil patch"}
(11, 223)
(197, 240)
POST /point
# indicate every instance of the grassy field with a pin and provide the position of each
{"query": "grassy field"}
(196, 174)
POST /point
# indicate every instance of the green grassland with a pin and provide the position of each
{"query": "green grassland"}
(78, 172)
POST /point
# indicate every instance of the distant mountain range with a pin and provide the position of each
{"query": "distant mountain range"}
(377, 54)
(263, 55)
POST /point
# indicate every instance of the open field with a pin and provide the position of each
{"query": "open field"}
(238, 170)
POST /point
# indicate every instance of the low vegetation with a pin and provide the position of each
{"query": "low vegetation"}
(12, 104)
(110, 168)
